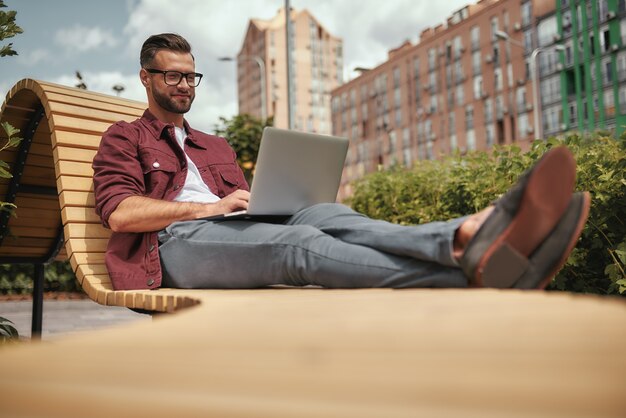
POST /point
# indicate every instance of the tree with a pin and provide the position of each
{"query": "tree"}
(8, 29)
(243, 133)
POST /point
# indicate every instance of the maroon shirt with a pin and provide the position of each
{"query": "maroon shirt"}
(142, 158)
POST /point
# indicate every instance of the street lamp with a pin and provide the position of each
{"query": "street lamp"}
(261, 65)
(533, 74)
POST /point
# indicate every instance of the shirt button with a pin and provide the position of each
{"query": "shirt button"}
(176, 187)
(156, 164)
(150, 282)
(151, 248)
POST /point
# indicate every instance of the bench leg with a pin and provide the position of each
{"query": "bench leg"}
(37, 302)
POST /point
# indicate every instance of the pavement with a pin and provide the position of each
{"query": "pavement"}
(62, 317)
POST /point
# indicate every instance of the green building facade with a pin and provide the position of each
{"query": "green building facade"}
(592, 64)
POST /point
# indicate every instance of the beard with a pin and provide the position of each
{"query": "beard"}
(170, 104)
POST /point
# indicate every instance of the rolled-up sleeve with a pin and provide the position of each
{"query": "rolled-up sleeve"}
(117, 169)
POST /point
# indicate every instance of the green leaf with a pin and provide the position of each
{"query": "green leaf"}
(5, 174)
(9, 129)
(7, 330)
(14, 141)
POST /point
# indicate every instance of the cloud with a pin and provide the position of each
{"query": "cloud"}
(34, 57)
(80, 38)
(103, 82)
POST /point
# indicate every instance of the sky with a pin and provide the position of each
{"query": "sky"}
(102, 40)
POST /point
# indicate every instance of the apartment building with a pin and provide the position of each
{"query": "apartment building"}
(593, 80)
(465, 85)
(317, 68)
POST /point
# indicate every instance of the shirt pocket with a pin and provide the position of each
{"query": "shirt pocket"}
(226, 177)
(159, 170)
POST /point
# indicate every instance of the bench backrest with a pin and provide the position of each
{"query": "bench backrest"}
(53, 186)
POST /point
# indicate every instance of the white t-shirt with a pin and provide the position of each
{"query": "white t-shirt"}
(194, 189)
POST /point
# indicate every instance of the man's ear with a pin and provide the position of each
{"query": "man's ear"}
(143, 76)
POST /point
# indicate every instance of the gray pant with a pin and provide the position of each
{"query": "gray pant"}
(328, 245)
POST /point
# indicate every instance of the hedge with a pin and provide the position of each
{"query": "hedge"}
(18, 278)
(460, 185)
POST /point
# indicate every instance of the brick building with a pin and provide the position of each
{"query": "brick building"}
(465, 85)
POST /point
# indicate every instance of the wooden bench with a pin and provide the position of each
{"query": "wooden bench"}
(52, 187)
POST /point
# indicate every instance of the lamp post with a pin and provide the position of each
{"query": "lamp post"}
(261, 65)
(534, 77)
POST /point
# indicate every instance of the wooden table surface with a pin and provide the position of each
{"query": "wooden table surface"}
(336, 353)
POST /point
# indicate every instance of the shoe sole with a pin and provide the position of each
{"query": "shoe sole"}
(545, 199)
(584, 214)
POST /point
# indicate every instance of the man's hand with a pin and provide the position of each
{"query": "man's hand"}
(238, 200)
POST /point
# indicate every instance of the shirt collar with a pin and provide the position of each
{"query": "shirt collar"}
(162, 130)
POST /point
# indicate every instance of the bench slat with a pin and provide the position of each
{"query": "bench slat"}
(85, 245)
(76, 140)
(77, 230)
(71, 214)
(74, 154)
(77, 199)
(75, 183)
(73, 168)
(68, 123)
(87, 112)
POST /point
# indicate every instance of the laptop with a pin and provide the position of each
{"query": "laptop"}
(294, 170)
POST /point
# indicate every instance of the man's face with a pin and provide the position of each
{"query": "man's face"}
(174, 99)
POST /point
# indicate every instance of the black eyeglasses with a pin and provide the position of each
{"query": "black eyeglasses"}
(173, 78)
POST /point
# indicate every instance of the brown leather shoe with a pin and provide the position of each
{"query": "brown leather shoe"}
(497, 255)
(550, 256)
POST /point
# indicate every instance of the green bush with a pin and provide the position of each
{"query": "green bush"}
(18, 278)
(461, 185)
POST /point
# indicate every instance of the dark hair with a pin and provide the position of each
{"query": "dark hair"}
(169, 41)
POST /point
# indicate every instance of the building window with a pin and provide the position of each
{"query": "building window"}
(406, 156)
(489, 135)
(460, 95)
(552, 119)
(398, 116)
(621, 66)
(452, 130)
(471, 140)
(546, 30)
(573, 117)
(396, 77)
(469, 117)
(393, 142)
(609, 104)
(520, 98)
(607, 71)
(488, 111)
(528, 41)
(476, 64)
(406, 137)
(458, 47)
(526, 13)
(432, 57)
(497, 77)
(478, 87)
(494, 27)
(523, 126)
(475, 37)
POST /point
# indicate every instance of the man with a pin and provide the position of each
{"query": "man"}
(155, 178)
